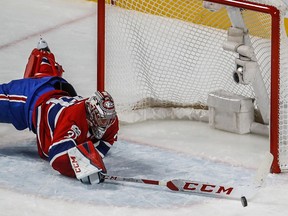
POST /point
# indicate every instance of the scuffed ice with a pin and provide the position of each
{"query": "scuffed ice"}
(26, 172)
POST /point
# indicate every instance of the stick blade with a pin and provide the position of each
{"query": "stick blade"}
(263, 170)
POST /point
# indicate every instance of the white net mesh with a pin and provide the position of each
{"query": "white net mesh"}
(168, 54)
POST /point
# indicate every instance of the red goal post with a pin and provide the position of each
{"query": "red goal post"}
(275, 73)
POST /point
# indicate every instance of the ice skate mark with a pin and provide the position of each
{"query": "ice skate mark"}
(36, 34)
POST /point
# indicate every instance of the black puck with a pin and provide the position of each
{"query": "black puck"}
(244, 201)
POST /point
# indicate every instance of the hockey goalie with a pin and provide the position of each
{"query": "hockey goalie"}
(72, 132)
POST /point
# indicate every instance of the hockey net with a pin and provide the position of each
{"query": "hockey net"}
(163, 58)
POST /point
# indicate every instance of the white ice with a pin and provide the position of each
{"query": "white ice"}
(160, 150)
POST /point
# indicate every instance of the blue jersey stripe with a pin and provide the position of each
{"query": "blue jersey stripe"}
(52, 113)
(102, 147)
(62, 146)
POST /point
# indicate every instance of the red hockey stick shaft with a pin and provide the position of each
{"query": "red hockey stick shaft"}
(196, 187)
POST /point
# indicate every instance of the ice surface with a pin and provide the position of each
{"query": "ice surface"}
(160, 150)
(28, 174)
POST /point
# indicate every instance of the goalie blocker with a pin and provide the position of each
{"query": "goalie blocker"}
(87, 163)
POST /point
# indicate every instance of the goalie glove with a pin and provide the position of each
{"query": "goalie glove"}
(87, 163)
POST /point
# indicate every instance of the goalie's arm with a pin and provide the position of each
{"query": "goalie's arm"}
(66, 156)
(58, 156)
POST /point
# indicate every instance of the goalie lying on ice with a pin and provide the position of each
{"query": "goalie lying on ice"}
(74, 133)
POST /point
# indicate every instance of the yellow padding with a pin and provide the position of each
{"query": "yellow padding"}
(286, 24)
(192, 11)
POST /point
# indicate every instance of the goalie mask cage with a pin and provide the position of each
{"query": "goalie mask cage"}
(161, 58)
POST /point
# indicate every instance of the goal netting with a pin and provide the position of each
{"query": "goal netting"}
(163, 58)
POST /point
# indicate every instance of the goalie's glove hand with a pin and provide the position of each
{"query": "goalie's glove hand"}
(87, 163)
(95, 178)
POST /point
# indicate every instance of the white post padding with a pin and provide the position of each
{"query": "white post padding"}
(255, 75)
(212, 6)
(230, 112)
(248, 72)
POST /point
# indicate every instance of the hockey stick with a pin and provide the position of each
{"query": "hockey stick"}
(180, 185)
(208, 189)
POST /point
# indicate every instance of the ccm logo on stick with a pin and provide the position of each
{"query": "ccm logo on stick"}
(208, 188)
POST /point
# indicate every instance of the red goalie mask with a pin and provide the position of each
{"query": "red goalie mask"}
(100, 112)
